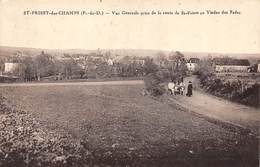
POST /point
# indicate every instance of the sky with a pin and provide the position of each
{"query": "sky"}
(199, 33)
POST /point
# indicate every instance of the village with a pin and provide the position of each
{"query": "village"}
(218, 75)
(18, 67)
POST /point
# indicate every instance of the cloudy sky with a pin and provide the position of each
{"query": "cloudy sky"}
(200, 33)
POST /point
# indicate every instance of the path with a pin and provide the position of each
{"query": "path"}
(219, 108)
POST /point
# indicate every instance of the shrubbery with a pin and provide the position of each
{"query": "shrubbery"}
(154, 84)
(231, 89)
(251, 96)
(155, 78)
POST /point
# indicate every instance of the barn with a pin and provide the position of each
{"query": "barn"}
(231, 65)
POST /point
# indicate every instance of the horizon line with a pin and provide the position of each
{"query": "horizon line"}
(169, 50)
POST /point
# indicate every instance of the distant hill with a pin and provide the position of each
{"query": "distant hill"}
(7, 51)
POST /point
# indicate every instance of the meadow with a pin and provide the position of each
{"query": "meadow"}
(120, 126)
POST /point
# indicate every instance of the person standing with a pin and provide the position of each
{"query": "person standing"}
(182, 88)
(189, 90)
(171, 86)
(182, 79)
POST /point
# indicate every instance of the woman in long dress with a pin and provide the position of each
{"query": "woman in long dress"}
(189, 90)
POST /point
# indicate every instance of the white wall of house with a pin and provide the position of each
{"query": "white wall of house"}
(231, 68)
(110, 62)
(192, 66)
(10, 67)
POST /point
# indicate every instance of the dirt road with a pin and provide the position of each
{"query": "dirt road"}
(218, 108)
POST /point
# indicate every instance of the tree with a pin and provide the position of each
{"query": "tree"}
(161, 59)
(19, 71)
(177, 65)
(2, 64)
(29, 69)
(44, 65)
(150, 66)
(70, 68)
(104, 70)
(205, 66)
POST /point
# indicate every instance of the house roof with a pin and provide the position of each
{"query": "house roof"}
(230, 61)
(193, 60)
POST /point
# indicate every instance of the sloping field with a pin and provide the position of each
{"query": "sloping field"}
(121, 127)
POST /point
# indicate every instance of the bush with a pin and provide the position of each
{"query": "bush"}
(153, 84)
(231, 90)
(154, 78)
(251, 96)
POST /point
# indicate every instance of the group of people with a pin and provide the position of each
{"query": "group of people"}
(179, 88)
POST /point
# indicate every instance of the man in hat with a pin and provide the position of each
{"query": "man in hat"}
(189, 90)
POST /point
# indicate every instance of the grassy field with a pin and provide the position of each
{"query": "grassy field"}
(121, 127)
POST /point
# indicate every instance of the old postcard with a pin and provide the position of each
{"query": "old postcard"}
(140, 83)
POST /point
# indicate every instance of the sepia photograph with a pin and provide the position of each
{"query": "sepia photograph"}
(111, 83)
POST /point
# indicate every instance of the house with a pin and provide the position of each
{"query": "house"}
(110, 62)
(137, 61)
(130, 60)
(231, 65)
(193, 64)
(10, 67)
(257, 66)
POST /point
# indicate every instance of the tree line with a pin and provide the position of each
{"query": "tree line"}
(45, 65)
